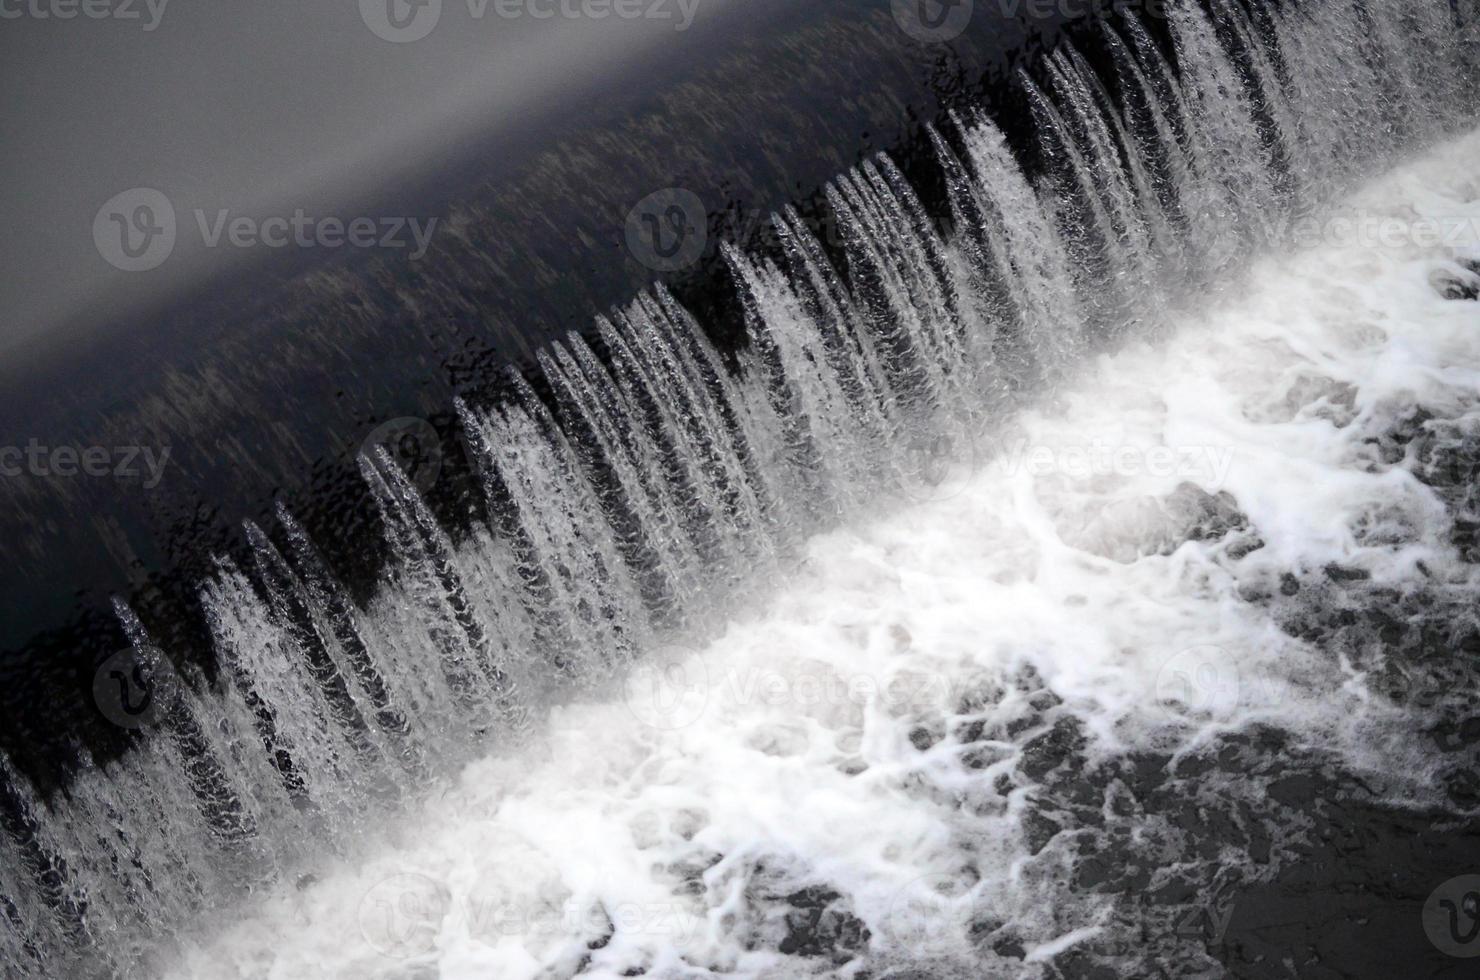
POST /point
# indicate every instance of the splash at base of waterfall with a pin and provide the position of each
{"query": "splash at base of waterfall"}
(1139, 584)
(1053, 712)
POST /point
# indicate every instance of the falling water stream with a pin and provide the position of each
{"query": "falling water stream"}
(658, 491)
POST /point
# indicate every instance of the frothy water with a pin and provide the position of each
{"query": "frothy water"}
(817, 638)
(876, 739)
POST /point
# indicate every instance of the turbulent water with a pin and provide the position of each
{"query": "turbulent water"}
(907, 642)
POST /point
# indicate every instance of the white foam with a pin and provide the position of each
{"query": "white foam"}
(742, 753)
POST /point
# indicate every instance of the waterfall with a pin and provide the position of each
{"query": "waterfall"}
(658, 486)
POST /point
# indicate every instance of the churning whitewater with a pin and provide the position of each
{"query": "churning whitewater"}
(889, 740)
(905, 642)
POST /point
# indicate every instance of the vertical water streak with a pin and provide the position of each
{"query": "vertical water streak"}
(42, 900)
(327, 596)
(1092, 151)
(841, 434)
(829, 303)
(1036, 260)
(298, 719)
(592, 611)
(292, 609)
(1229, 141)
(673, 345)
(1155, 235)
(640, 494)
(1161, 148)
(700, 453)
(191, 742)
(474, 684)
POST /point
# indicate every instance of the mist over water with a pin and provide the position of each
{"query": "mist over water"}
(989, 498)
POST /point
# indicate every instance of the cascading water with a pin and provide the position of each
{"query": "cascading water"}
(657, 488)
